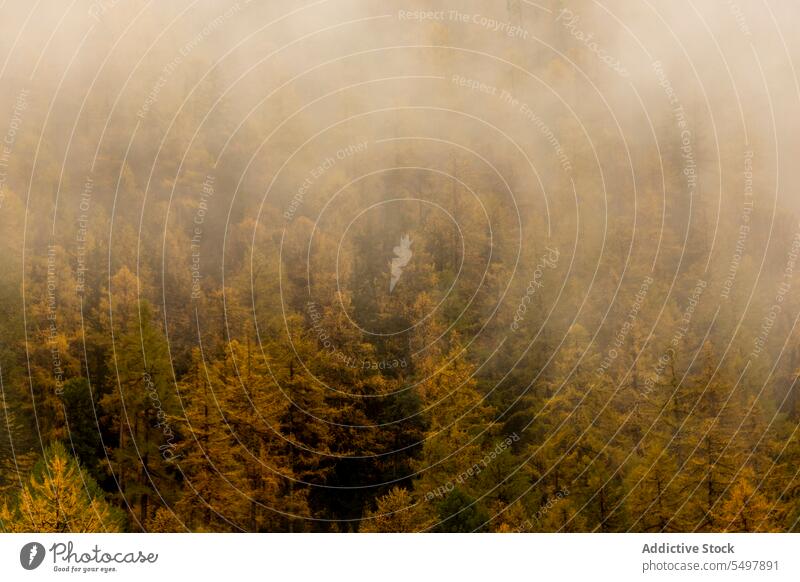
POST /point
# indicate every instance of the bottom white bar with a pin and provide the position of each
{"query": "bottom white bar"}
(401, 557)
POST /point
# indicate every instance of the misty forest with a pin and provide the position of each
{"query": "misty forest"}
(409, 266)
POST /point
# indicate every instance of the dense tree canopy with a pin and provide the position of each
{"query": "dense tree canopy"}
(328, 302)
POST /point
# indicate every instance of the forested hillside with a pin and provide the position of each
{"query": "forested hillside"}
(398, 275)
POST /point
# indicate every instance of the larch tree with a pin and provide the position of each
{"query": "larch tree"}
(59, 497)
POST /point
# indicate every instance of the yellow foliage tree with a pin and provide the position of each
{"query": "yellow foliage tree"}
(746, 509)
(397, 512)
(59, 498)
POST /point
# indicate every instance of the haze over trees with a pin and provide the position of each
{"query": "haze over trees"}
(403, 274)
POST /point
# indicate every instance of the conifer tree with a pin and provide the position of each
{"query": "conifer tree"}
(59, 497)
